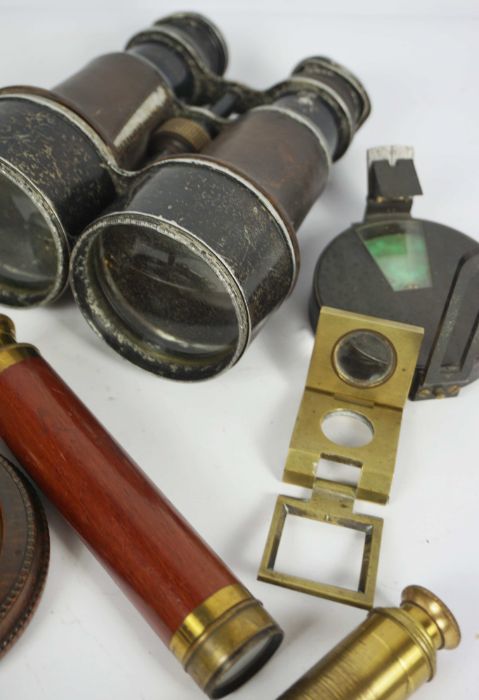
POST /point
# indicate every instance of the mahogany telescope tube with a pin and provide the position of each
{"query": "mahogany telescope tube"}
(218, 631)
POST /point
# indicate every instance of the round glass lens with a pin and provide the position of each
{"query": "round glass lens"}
(28, 257)
(364, 358)
(243, 667)
(164, 293)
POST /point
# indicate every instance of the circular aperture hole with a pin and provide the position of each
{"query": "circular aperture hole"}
(364, 358)
(347, 428)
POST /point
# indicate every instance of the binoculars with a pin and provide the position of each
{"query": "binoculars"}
(169, 196)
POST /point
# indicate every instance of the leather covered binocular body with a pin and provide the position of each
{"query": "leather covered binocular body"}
(179, 192)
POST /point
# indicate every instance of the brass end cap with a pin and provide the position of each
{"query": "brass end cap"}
(437, 611)
(7, 329)
(226, 640)
(11, 352)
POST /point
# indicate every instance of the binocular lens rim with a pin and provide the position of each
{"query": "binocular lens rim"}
(58, 235)
(106, 323)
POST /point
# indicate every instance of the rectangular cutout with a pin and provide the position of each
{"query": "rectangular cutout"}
(319, 551)
(338, 471)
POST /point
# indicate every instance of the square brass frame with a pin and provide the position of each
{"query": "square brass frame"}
(333, 505)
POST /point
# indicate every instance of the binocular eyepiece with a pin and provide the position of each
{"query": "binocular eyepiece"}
(181, 191)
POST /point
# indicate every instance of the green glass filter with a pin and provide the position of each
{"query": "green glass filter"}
(399, 250)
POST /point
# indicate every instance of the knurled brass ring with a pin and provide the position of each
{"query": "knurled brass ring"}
(225, 640)
(206, 614)
(187, 129)
(438, 611)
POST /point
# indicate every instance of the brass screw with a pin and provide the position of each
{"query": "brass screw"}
(424, 393)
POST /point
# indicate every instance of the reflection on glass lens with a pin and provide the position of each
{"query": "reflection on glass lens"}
(364, 358)
(28, 258)
(164, 293)
(400, 251)
(242, 668)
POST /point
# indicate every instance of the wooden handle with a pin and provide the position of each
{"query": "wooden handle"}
(163, 565)
(218, 631)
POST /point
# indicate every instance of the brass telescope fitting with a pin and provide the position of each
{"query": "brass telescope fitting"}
(218, 631)
(388, 657)
(225, 639)
(12, 352)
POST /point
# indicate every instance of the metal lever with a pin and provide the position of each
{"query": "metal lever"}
(392, 180)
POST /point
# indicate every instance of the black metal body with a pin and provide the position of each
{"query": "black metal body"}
(347, 277)
(72, 150)
(236, 205)
(61, 168)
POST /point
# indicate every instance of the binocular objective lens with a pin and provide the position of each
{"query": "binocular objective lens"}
(28, 256)
(164, 293)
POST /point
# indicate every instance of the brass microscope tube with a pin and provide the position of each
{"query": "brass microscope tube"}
(388, 657)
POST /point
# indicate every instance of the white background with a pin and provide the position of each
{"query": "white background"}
(217, 449)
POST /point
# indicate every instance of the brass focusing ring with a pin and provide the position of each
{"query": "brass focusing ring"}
(417, 633)
(439, 613)
(215, 637)
(187, 129)
(204, 616)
